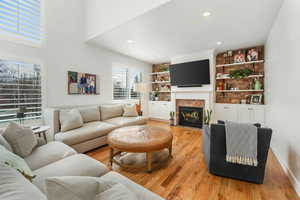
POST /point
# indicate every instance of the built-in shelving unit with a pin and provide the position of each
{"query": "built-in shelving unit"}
(246, 67)
(160, 79)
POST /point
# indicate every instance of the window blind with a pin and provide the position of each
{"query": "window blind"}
(123, 84)
(20, 86)
(21, 17)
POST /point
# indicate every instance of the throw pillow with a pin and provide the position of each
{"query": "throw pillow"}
(12, 160)
(22, 140)
(110, 111)
(4, 143)
(85, 188)
(70, 119)
(116, 192)
(90, 114)
(130, 110)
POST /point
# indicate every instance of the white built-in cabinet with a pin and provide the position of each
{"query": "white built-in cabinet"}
(240, 113)
(159, 110)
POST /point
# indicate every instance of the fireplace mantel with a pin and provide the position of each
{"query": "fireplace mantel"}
(191, 94)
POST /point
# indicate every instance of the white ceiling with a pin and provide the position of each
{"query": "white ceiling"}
(178, 28)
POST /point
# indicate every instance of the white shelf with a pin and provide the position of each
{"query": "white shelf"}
(162, 91)
(240, 90)
(243, 63)
(157, 73)
(160, 82)
(251, 76)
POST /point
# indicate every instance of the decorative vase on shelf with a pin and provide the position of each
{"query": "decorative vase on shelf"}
(257, 84)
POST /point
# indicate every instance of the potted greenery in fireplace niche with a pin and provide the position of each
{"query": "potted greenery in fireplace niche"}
(172, 120)
(206, 136)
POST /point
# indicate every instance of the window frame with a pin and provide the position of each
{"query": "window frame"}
(21, 40)
(129, 72)
(43, 82)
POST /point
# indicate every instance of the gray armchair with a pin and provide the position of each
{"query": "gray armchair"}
(214, 144)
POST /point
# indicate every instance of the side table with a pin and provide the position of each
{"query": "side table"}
(41, 130)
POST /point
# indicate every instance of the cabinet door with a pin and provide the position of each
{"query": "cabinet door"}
(245, 114)
(152, 110)
(226, 112)
(258, 115)
(159, 110)
(165, 110)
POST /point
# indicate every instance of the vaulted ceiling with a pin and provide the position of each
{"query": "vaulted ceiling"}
(179, 27)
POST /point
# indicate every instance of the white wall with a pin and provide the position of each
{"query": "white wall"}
(104, 15)
(64, 47)
(282, 88)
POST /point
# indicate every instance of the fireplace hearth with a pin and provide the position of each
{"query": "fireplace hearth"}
(191, 116)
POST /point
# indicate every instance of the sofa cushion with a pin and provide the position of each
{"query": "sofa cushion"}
(110, 111)
(12, 160)
(72, 188)
(70, 119)
(139, 191)
(48, 153)
(87, 132)
(22, 140)
(130, 110)
(90, 114)
(13, 186)
(76, 165)
(127, 121)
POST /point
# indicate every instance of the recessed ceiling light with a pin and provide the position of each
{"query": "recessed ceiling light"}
(206, 14)
(130, 41)
(219, 43)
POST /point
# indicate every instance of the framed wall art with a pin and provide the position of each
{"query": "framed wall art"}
(82, 83)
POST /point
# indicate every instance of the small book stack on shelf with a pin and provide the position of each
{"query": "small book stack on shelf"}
(240, 76)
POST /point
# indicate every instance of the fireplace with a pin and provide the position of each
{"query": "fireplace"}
(191, 116)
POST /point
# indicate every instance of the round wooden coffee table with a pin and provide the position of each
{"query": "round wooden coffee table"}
(139, 139)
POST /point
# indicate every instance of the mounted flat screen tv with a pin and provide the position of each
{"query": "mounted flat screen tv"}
(190, 74)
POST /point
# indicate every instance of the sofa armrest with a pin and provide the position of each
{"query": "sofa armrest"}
(51, 118)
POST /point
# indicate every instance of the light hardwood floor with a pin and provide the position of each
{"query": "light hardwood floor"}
(186, 177)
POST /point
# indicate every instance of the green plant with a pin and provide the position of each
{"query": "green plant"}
(240, 73)
(156, 94)
(207, 116)
(172, 114)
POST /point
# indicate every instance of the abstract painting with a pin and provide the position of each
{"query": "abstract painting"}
(81, 83)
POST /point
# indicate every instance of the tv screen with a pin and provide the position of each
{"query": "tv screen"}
(191, 74)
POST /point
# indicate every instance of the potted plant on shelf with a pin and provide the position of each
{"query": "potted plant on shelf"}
(240, 73)
(156, 95)
(172, 120)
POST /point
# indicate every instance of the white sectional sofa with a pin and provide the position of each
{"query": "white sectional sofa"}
(56, 159)
(94, 130)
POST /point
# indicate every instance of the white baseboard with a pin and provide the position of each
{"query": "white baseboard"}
(295, 183)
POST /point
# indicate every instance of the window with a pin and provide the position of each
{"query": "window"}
(123, 83)
(20, 89)
(21, 17)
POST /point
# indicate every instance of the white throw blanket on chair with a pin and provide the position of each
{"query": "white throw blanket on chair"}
(241, 143)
